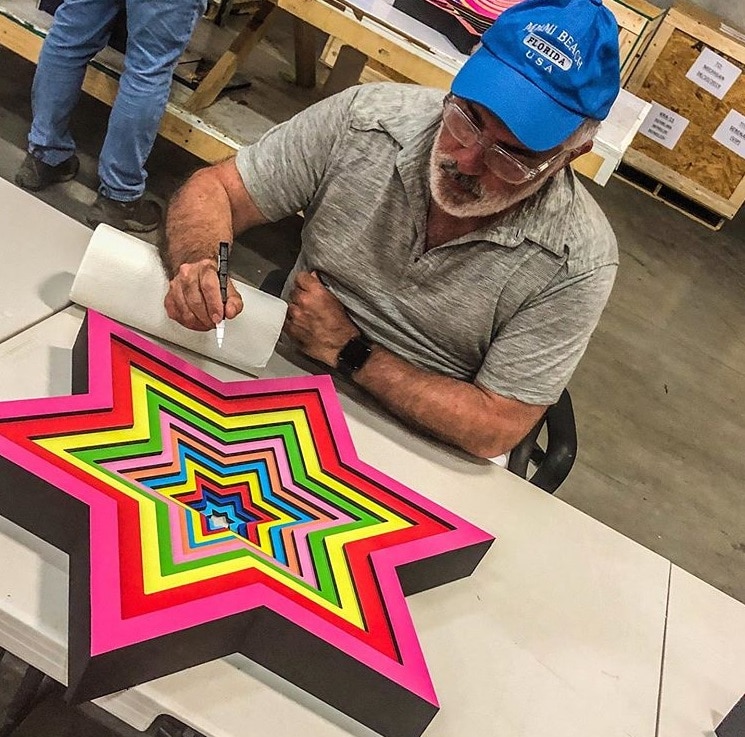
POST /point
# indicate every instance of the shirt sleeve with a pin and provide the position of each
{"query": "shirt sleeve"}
(284, 168)
(534, 355)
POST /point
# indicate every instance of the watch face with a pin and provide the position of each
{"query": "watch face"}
(353, 356)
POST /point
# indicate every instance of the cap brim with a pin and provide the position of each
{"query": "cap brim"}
(536, 119)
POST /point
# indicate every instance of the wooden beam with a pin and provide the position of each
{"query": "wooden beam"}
(406, 56)
(672, 179)
(227, 65)
(306, 55)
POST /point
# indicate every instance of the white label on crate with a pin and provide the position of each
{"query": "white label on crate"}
(664, 126)
(714, 73)
(731, 133)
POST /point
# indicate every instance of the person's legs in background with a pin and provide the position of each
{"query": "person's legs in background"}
(81, 28)
(157, 36)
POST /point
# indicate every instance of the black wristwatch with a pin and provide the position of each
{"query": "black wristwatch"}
(354, 355)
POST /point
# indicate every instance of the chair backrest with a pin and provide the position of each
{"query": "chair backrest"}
(553, 463)
(274, 282)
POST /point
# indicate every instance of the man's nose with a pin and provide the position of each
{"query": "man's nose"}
(470, 160)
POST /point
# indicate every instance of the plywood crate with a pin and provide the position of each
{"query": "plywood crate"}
(637, 21)
(698, 175)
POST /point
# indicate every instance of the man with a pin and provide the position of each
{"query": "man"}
(157, 33)
(451, 263)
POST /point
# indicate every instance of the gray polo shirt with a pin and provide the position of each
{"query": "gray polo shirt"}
(510, 306)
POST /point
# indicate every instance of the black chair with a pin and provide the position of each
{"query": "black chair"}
(274, 282)
(553, 463)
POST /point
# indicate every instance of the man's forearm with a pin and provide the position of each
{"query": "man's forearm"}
(481, 422)
(199, 217)
(458, 412)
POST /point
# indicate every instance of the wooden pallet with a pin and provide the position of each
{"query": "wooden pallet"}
(671, 197)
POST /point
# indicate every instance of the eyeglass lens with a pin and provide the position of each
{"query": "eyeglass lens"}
(467, 133)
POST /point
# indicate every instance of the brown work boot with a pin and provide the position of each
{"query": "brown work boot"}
(35, 175)
(140, 216)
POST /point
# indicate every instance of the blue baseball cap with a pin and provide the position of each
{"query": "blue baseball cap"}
(544, 67)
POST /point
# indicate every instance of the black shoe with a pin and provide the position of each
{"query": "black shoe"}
(140, 216)
(35, 175)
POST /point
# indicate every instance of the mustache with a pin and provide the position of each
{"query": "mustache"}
(468, 182)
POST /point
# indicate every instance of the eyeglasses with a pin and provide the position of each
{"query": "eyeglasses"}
(498, 160)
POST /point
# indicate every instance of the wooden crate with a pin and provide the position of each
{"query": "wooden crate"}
(698, 168)
(637, 22)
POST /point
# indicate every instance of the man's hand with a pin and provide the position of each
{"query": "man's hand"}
(213, 206)
(317, 321)
(194, 299)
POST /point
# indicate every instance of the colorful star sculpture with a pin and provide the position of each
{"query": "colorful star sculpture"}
(205, 518)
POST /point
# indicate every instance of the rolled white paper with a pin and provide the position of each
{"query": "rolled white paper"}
(122, 277)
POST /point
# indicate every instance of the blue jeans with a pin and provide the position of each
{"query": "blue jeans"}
(157, 33)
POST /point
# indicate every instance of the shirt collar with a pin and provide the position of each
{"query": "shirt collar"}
(542, 218)
(415, 136)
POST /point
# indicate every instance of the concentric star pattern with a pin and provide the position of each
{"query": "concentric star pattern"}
(204, 518)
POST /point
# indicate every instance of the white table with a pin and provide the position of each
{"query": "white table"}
(560, 628)
(41, 248)
(560, 631)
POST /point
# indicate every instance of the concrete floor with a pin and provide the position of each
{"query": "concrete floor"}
(659, 394)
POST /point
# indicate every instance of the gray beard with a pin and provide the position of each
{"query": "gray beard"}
(463, 196)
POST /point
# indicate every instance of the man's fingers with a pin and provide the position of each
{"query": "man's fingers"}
(303, 295)
(195, 304)
(194, 298)
(306, 280)
(234, 305)
(187, 291)
(170, 304)
(178, 310)
(209, 286)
